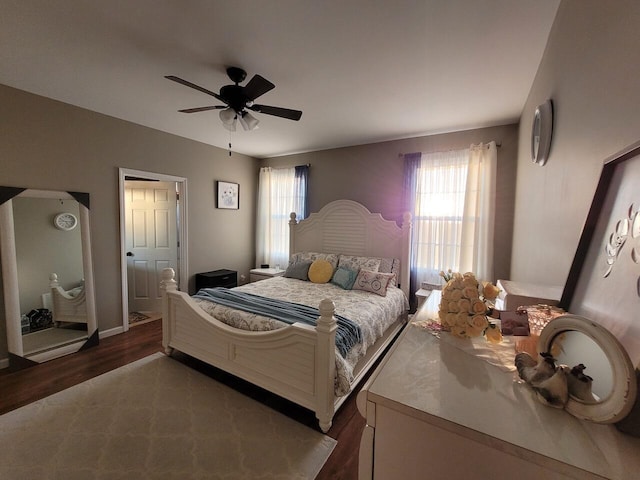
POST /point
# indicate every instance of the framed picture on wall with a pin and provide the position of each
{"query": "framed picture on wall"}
(604, 280)
(228, 195)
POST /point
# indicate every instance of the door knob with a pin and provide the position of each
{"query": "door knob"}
(129, 254)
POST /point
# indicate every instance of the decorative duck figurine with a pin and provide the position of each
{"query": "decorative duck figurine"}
(532, 371)
(580, 384)
(547, 379)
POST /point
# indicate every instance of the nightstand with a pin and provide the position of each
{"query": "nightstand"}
(263, 273)
(217, 278)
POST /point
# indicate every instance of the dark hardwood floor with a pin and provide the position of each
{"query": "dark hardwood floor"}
(25, 386)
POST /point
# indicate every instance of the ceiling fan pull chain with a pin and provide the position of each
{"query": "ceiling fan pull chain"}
(229, 143)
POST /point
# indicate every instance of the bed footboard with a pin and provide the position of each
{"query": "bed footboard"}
(67, 308)
(296, 362)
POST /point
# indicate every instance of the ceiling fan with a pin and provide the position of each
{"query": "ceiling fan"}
(237, 99)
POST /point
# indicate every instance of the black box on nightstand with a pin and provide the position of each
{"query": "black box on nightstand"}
(217, 278)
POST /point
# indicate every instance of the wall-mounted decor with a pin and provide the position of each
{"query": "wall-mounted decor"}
(604, 279)
(65, 221)
(541, 132)
(228, 195)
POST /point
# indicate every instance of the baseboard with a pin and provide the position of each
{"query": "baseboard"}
(111, 332)
(4, 363)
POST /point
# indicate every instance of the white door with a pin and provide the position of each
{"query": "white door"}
(151, 240)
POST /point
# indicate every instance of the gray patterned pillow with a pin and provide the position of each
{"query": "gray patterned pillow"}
(332, 258)
(390, 265)
(359, 263)
(386, 264)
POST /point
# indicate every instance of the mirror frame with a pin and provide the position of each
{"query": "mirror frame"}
(623, 395)
(10, 276)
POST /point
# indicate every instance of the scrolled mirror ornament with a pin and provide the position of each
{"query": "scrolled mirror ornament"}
(618, 402)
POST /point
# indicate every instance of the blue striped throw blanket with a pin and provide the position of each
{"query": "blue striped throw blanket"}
(347, 334)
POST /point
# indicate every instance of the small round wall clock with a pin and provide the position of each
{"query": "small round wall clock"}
(541, 132)
(65, 221)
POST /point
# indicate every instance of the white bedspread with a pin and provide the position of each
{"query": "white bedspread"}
(373, 313)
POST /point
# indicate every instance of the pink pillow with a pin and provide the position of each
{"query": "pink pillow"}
(374, 282)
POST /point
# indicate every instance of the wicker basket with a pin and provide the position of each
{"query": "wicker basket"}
(539, 315)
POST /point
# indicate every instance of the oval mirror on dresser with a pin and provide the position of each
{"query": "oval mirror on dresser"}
(578, 342)
(47, 274)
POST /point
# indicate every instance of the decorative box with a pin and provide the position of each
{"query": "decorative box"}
(516, 294)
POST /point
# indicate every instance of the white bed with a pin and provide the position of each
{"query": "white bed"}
(298, 361)
(66, 305)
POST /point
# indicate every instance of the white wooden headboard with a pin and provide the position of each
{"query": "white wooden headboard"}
(349, 228)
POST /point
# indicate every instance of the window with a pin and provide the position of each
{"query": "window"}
(281, 191)
(451, 197)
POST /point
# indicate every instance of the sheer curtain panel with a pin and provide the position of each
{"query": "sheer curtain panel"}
(280, 192)
(451, 196)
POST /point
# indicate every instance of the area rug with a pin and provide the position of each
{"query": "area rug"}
(156, 419)
(139, 318)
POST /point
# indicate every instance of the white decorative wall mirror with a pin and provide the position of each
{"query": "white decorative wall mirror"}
(47, 274)
(574, 340)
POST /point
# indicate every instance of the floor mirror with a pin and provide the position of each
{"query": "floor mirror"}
(47, 274)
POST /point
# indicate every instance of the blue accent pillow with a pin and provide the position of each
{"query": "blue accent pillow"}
(299, 270)
(344, 278)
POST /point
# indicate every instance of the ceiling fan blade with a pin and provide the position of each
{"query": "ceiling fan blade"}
(277, 111)
(202, 109)
(193, 85)
(257, 86)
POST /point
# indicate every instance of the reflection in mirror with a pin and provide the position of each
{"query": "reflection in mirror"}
(591, 378)
(47, 274)
(44, 248)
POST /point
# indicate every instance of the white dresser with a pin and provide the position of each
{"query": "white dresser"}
(435, 412)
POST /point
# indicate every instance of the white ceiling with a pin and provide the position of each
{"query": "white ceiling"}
(361, 71)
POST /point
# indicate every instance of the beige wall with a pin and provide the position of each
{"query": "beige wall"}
(590, 69)
(373, 175)
(50, 145)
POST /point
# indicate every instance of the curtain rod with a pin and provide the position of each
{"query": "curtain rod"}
(498, 145)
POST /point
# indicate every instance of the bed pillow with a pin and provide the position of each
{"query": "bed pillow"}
(390, 265)
(374, 282)
(359, 263)
(332, 258)
(298, 270)
(344, 278)
(320, 271)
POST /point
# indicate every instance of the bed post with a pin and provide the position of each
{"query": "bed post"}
(405, 261)
(292, 236)
(167, 284)
(325, 364)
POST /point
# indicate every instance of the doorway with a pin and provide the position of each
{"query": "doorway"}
(153, 237)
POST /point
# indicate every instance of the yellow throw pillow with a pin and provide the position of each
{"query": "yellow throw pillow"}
(320, 271)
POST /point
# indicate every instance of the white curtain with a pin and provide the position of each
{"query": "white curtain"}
(452, 198)
(280, 192)
(263, 224)
(476, 254)
(439, 186)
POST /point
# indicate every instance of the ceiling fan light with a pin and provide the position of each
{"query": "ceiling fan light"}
(230, 126)
(228, 116)
(248, 121)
